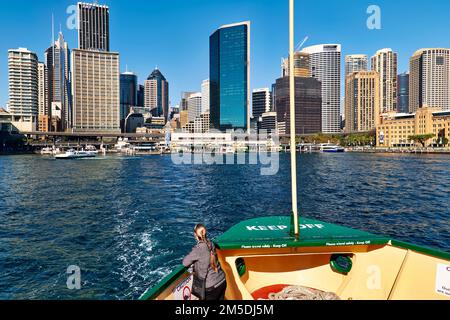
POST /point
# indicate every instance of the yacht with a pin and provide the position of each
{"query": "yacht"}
(91, 150)
(330, 148)
(74, 154)
(50, 151)
(122, 146)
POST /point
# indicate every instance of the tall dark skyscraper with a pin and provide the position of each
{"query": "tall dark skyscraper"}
(308, 105)
(403, 93)
(140, 96)
(156, 96)
(261, 102)
(128, 94)
(93, 31)
(230, 77)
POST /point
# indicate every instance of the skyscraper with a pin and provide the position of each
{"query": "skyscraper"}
(230, 77)
(308, 105)
(326, 67)
(93, 29)
(43, 109)
(302, 65)
(42, 89)
(385, 63)
(355, 63)
(96, 91)
(157, 94)
(194, 106)
(128, 93)
(57, 58)
(23, 88)
(362, 107)
(95, 74)
(261, 102)
(403, 93)
(140, 96)
(205, 95)
(184, 100)
(429, 82)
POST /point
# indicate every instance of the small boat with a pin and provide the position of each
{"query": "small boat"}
(297, 258)
(146, 149)
(91, 150)
(47, 151)
(74, 154)
(331, 148)
(122, 146)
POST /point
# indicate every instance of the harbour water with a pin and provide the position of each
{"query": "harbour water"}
(127, 221)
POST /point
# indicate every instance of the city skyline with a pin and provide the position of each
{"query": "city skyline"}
(267, 48)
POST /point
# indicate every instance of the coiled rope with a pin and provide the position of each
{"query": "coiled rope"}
(302, 293)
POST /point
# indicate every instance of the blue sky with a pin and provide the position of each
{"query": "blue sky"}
(174, 34)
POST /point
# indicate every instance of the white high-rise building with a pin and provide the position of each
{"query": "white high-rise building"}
(23, 88)
(42, 87)
(194, 106)
(429, 80)
(205, 96)
(355, 63)
(385, 63)
(325, 64)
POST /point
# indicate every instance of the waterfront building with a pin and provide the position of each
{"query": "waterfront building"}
(308, 105)
(155, 123)
(269, 122)
(205, 95)
(96, 91)
(385, 63)
(42, 89)
(201, 124)
(230, 77)
(261, 102)
(355, 63)
(57, 59)
(43, 109)
(128, 95)
(302, 65)
(93, 27)
(6, 119)
(403, 93)
(134, 121)
(183, 118)
(156, 96)
(429, 84)
(326, 68)
(194, 106)
(184, 99)
(23, 88)
(396, 129)
(362, 106)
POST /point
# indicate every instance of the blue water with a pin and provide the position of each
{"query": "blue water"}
(127, 222)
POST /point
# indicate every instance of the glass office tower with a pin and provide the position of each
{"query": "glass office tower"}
(229, 77)
(403, 93)
(128, 95)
